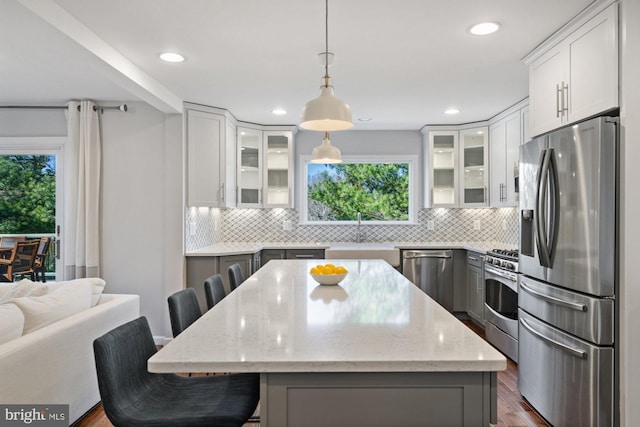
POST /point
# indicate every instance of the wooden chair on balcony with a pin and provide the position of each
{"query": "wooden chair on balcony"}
(41, 255)
(7, 243)
(20, 262)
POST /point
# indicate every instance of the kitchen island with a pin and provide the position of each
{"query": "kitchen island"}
(374, 350)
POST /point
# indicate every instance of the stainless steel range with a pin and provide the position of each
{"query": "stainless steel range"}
(501, 300)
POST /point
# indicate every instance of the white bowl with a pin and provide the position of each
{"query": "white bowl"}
(328, 279)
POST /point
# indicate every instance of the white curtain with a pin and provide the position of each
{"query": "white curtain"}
(81, 233)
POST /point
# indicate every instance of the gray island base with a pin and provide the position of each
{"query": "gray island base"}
(372, 351)
(382, 399)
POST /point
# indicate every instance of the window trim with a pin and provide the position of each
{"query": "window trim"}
(410, 159)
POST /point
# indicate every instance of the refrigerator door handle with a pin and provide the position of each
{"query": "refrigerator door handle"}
(554, 208)
(575, 352)
(541, 209)
(554, 300)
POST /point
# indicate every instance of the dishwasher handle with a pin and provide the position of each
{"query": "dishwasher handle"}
(426, 255)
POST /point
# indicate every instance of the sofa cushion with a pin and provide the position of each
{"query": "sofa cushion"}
(97, 286)
(56, 305)
(5, 288)
(11, 322)
(24, 288)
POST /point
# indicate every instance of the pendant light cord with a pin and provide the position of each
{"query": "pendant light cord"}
(326, 44)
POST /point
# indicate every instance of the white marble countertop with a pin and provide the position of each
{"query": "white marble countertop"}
(236, 248)
(281, 320)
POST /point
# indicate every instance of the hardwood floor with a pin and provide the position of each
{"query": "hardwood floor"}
(513, 410)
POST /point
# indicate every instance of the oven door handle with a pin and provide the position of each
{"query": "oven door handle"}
(576, 352)
(503, 274)
(553, 300)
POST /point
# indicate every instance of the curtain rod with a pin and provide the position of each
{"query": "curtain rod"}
(122, 107)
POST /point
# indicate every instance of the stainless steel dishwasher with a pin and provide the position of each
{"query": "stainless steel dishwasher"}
(431, 271)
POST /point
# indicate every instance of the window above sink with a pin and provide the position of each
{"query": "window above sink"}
(380, 188)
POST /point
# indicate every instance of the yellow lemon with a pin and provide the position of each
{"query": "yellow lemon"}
(340, 270)
(330, 265)
(316, 270)
(328, 269)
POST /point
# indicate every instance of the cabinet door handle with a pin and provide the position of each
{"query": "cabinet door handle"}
(260, 195)
(222, 191)
(485, 194)
(558, 95)
(565, 99)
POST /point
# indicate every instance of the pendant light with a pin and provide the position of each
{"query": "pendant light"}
(325, 152)
(326, 112)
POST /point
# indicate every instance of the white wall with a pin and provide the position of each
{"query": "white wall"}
(22, 122)
(629, 295)
(141, 208)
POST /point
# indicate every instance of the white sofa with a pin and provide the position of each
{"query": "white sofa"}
(55, 364)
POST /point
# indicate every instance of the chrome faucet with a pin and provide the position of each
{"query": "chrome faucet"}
(359, 234)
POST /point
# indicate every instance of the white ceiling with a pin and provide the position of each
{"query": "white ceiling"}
(401, 62)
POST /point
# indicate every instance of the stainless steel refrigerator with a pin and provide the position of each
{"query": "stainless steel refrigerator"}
(568, 266)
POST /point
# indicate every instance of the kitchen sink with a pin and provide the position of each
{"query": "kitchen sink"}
(366, 250)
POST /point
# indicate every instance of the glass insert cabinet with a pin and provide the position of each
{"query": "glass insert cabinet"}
(265, 168)
(457, 168)
(444, 155)
(474, 176)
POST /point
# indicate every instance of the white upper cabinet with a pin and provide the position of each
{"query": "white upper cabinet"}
(505, 137)
(474, 170)
(210, 156)
(574, 75)
(265, 168)
(278, 169)
(249, 167)
(442, 169)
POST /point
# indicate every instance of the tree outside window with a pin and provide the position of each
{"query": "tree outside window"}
(27, 194)
(378, 191)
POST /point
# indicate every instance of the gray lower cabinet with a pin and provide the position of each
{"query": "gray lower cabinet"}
(201, 267)
(475, 287)
(246, 262)
(269, 254)
(198, 269)
(304, 254)
(460, 289)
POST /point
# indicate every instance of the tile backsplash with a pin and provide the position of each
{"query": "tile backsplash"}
(205, 226)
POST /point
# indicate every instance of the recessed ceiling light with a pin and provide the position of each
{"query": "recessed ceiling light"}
(171, 57)
(279, 112)
(452, 111)
(484, 28)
